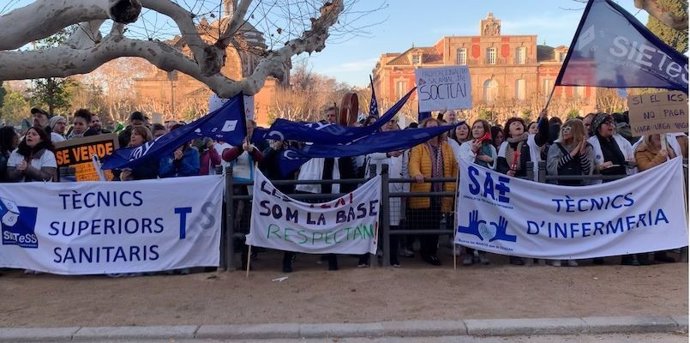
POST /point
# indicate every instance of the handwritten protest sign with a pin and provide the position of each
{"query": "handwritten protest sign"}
(77, 153)
(658, 113)
(444, 88)
(347, 225)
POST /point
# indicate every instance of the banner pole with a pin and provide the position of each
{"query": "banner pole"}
(548, 100)
(249, 260)
(455, 222)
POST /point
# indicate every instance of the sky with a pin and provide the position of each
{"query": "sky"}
(407, 23)
(401, 24)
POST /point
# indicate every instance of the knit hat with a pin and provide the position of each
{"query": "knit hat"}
(54, 120)
(598, 120)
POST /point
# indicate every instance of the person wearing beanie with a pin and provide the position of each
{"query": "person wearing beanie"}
(612, 152)
(612, 155)
(57, 125)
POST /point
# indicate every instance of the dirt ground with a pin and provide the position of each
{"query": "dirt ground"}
(313, 295)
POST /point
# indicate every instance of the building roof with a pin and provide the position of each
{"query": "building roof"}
(430, 55)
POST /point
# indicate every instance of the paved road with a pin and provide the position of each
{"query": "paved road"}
(617, 338)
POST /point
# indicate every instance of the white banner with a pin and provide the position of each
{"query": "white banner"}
(443, 88)
(641, 213)
(347, 225)
(111, 227)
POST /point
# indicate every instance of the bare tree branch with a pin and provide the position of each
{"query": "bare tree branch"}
(17, 29)
(194, 54)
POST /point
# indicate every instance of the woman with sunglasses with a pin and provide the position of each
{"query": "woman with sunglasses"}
(612, 152)
(571, 155)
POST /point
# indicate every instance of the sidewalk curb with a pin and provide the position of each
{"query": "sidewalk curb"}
(413, 328)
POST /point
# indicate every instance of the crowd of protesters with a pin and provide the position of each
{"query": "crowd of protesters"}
(598, 143)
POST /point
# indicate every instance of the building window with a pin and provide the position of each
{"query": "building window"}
(579, 90)
(490, 91)
(400, 88)
(416, 59)
(521, 55)
(491, 55)
(520, 89)
(462, 56)
(546, 86)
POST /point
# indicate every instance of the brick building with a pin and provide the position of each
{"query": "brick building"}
(176, 91)
(510, 74)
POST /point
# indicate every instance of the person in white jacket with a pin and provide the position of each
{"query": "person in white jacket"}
(397, 168)
(612, 152)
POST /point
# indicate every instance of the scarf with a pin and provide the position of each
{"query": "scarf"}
(513, 150)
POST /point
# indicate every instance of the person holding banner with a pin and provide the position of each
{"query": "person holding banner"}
(243, 159)
(397, 168)
(269, 166)
(146, 170)
(433, 159)
(519, 148)
(33, 160)
(612, 155)
(649, 153)
(482, 152)
(183, 162)
(570, 154)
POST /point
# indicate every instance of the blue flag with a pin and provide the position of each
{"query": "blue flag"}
(227, 123)
(324, 133)
(291, 159)
(373, 105)
(612, 49)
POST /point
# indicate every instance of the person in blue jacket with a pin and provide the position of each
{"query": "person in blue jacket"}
(183, 162)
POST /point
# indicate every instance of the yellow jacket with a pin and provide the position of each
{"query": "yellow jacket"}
(420, 164)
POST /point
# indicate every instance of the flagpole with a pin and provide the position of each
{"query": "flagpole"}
(548, 100)
(249, 260)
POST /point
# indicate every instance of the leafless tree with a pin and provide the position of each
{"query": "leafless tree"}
(111, 29)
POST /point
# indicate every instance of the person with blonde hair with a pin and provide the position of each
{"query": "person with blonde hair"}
(649, 153)
(570, 155)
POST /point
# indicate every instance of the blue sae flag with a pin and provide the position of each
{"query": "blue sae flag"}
(373, 105)
(612, 49)
(226, 123)
(325, 133)
(292, 159)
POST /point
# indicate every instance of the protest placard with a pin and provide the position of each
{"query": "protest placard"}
(443, 88)
(78, 153)
(658, 113)
(347, 225)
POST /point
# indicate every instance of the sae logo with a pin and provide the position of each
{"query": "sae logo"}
(495, 190)
(17, 224)
(487, 231)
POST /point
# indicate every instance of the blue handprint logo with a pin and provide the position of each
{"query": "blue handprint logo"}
(473, 227)
(501, 234)
(477, 227)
